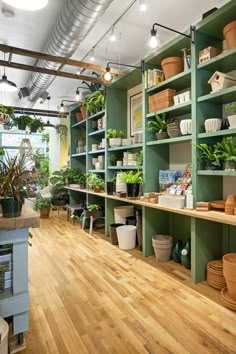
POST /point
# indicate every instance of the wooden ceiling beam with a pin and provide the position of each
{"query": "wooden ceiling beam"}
(65, 61)
(49, 71)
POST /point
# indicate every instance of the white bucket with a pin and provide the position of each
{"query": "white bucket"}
(121, 212)
(126, 237)
(4, 329)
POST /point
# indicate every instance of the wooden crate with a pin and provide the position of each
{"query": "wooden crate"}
(161, 100)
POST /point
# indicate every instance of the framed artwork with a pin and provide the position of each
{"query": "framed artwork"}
(135, 113)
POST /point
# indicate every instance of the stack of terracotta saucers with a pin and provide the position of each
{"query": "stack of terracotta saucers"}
(215, 277)
(228, 294)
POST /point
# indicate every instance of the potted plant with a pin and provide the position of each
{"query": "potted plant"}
(226, 150)
(60, 196)
(94, 210)
(44, 206)
(13, 181)
(209, 156)
(22, 122)
(62, 130)
(35, 125)
(99, 101)
(98, 184)
(158, 125)
(5, 113)
(81, 180)
(133, 180)
(113, 159)
(114, 136)
(82, 138)
(231, 109)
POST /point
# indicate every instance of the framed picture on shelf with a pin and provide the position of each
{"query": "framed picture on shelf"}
(135, 113)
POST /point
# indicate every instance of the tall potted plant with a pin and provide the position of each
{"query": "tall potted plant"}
(133, 180)
(13, 180)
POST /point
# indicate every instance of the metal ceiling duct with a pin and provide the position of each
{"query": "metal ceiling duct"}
(76, 20)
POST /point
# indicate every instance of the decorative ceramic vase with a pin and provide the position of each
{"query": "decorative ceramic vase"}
(230, 204)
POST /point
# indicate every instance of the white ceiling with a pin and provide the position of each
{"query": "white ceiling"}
(30, 30)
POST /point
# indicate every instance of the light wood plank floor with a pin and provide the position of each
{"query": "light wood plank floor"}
(88, 296)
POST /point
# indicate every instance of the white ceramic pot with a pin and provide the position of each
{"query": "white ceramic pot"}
(125, 154)
(186, 126)
(103, 143)
(119, 163)
(176, 99)
(94, 160)
(94, 147)
(127, 141)
(115, 142)
(232, 121)
(125, 162)
(187, 96)
(212, 124)
(101, 158)
(98, 166)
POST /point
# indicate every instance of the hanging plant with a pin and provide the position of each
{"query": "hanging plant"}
(62, 130)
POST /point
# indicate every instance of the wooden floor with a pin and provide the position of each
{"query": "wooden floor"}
(88, 296)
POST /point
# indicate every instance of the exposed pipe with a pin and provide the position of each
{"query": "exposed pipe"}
(76, 20)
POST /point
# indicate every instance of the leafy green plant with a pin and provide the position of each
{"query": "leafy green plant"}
(13, 175)
(139, 158)
(36, 124)
(208, 152)
(230, 108)
(99, 100)
(62, 130)
(158, 124)
(81, 179)
(23, 120)
(226, 150)
(45, 138)
(113, 133)
(6, 110)
(1, 151)
(42, 203)
(93, 207)
(132, 177)
(113, 158)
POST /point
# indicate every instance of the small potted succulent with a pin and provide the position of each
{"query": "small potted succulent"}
(114, 137)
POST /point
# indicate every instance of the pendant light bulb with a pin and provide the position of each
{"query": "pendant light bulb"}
(153, 41)
(62, 109)
(143, 5)
(92, 57)
(107, 76)
(112, 35)
(29, 5)
(78, 96)
(6, 85)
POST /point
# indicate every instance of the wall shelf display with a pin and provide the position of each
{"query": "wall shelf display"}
(79, 124)
(97, 132)
(212, 233)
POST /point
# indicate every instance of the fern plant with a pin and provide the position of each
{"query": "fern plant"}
(226, 150)
(158, 124)
(208, 153)
(132, 177)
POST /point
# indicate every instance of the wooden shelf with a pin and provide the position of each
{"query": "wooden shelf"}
(224, 62)
(217, 133)
(97, 152)
(177, 82)
(96, 115)
(220, 97)
(97, 132)
(126, 147)
(179, 109)
(179, 139)
(79, 124)
(216, 173)
(128, 167)
(77, 155)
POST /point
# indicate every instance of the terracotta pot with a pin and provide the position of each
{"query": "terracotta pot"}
(231, 285)
(230, 34)
(229, 258)
(84, 112)
(172, 66)
(44, 213)
(79, 116)
(230, 204)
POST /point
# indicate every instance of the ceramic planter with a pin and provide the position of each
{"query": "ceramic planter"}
(172, 66)
(84, 112)
(162, 135)
(232, 121)
(11, 207)
(230, 34)
(115, 142)
(229, 165)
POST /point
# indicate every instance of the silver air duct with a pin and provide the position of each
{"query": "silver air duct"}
(74, 23)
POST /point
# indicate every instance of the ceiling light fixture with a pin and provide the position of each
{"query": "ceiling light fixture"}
(5, 84)
(107, 77)
(62, 107)
(92, 56)
(143, 5)
(112, 36)
(29, 5)
(48, 125)
(78, 95)
(154, 42)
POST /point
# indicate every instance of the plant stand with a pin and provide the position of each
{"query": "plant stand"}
(92, 220)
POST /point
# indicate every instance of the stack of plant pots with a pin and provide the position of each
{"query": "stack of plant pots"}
(162, 245)
(113, 233)
(215, 277)
(228, 294)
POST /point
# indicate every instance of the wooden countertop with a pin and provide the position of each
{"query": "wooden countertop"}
(217, 216)
(28, 218)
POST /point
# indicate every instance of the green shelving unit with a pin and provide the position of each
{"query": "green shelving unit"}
(210, 239)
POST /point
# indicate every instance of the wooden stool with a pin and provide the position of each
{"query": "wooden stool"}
(92, 220)
(70, 210)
